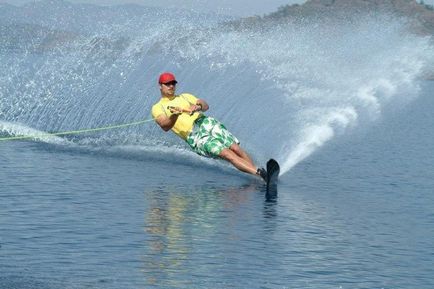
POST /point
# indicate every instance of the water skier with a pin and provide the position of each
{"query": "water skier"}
(183, 114)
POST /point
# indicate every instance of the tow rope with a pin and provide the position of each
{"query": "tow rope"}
(35, 136)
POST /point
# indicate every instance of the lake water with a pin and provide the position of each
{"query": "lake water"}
(339, 103)
(357, 214)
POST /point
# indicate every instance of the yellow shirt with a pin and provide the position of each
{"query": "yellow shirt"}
(185, 122)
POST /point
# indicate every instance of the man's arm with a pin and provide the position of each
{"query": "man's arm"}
(201, 105)
(166, 123)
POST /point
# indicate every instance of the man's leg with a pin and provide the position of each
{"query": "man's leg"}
(238, 162)
(241, 153)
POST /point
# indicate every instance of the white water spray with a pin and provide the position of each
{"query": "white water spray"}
(284, 89)
(327, 76)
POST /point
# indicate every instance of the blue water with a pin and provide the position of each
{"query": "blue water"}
(357, 214)
(342, 106)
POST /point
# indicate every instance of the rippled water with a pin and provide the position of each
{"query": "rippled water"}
(356, 214)
(338, 102)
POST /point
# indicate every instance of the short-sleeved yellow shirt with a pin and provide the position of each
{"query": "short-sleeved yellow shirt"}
(185, 122)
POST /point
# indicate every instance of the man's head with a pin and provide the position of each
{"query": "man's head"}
(167, 83)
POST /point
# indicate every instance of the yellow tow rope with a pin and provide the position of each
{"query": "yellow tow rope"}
(35, 136)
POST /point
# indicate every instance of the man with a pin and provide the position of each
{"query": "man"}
(183, 114)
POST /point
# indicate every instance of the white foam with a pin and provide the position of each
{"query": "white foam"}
(314, 136)
(28, 133)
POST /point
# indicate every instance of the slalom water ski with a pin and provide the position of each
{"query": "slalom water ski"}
(273, 170)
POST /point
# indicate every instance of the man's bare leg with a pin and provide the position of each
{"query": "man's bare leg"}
(238, 162)
(241, 153)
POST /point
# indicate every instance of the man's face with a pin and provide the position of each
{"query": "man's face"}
(168, 89)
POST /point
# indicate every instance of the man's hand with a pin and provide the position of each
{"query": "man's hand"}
(192, 109)
(175, 110)
(195, 107)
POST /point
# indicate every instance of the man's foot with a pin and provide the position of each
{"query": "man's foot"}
(262, 173)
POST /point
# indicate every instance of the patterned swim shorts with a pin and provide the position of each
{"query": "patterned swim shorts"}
(209, 137)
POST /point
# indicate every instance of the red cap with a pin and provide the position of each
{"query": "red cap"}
(166, 77)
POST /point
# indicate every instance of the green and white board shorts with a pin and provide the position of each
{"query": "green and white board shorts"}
(209, 137)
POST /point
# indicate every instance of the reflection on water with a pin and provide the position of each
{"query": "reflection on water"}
(182, 227)
(166, 242)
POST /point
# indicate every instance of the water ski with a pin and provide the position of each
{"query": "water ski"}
(273, 170)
